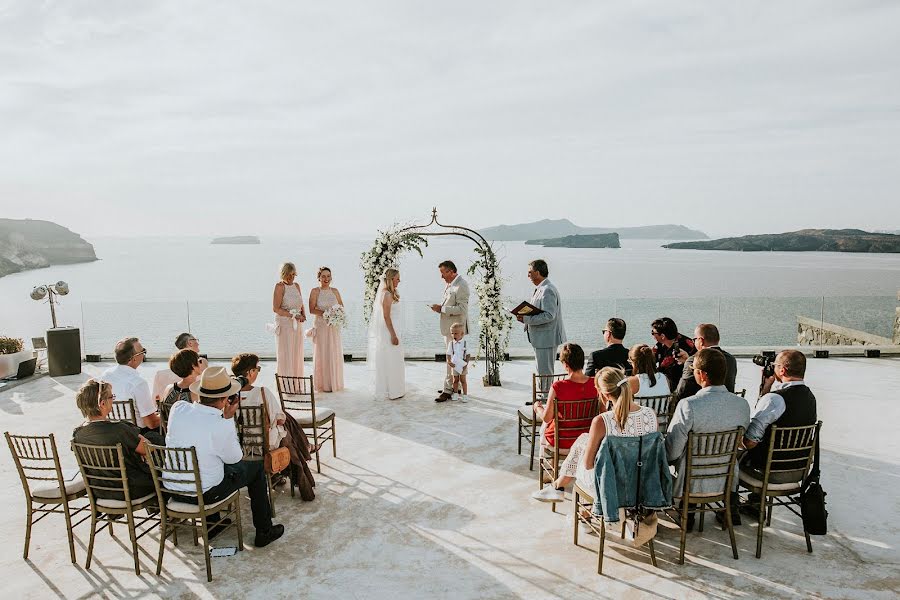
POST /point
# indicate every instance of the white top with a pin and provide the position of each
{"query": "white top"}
(660, 389)
(214, 438)
(639, 422)
(457, 353)
(127, 383)
(292, 298)
(273, 409)
(161, 382)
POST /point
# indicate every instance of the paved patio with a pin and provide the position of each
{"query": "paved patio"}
(431, 501)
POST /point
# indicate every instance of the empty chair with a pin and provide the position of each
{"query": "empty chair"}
(37, 461)
(297, 394)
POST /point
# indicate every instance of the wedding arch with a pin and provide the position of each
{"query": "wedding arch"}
(495, 321)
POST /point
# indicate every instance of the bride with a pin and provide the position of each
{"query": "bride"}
(385, 356)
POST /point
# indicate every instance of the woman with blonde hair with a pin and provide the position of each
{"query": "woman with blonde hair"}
(385, 356)
(287, 304)
(626, 419)
(328, 350)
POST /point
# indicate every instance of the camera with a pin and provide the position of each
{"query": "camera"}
(234, 399)
(767, 362)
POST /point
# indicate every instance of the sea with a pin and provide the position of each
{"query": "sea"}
(156, 287)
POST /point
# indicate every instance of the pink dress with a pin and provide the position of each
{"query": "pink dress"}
(328, 351)
(289, 354)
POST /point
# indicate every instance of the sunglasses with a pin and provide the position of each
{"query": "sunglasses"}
(144, 352)
(654, 333)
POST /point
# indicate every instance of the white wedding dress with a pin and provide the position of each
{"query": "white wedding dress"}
(384, 359)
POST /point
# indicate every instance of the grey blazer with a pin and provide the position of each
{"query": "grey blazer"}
(455, 305)
(713, 408)
(546, 330)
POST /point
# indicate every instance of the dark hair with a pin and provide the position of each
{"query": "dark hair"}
(572, 355)
(125, 350)
(540, 265)
(182, 340)
(616, 328)
(643, 361)
(793, 361)
(448, 264)
(712, 362)
(243, 363)
(322, 270)
(709, 333)
(183, 362)
(667, 327)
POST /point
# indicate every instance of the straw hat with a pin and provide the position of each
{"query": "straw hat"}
(215, 383)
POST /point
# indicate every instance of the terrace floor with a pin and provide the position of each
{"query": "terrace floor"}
(432, 501)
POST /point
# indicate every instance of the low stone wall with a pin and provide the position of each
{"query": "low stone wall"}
(815, 333)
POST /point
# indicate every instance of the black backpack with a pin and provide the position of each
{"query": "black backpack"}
(812, 501)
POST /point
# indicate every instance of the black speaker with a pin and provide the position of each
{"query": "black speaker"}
(64, 351)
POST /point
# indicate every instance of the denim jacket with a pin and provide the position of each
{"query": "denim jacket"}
(615, 473)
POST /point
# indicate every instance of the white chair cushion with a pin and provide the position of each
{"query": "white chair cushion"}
(751, 481)
(322, 414)
(189, 507)
(109, 503)
(51, 491)
(526, 413)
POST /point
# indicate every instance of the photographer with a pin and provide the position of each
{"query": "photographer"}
(209, 427)
(672, 349)
(785, 401)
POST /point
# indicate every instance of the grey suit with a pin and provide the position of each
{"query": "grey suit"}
(454, 309)
(713, 408)
(545, 331)
(688, 386)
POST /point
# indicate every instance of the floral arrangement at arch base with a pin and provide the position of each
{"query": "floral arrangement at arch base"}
(385, 254)
(495, 321)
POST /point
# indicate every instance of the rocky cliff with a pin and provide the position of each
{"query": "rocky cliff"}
(805, 240)
(555, 228)
(30, 244)
(600, 240)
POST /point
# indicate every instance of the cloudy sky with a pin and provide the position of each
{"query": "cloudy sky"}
(280, 117)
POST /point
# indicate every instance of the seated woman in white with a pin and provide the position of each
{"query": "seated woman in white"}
(649, 382)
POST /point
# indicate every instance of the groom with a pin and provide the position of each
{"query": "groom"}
(545, 331)
(454, 308)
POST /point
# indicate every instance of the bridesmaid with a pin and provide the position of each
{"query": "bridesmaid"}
(288, 297)
(328, 352)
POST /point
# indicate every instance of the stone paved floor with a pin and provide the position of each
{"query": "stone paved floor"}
(431, 501)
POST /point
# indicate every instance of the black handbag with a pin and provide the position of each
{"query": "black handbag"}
(812, 501)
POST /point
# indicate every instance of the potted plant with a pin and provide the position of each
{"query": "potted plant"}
(11, 354)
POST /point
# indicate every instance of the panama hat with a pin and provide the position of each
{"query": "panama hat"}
(215, 383)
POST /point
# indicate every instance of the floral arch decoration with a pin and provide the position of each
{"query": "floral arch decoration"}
(494, 320)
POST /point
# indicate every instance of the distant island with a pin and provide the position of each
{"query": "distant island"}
(555, 228)
(599, 240)
(805, 240)
(31, 244)
(236, 239)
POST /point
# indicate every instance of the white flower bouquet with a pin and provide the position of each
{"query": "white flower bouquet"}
(336, 316)
(295, 312)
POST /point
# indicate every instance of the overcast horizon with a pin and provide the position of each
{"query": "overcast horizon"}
(282, 118)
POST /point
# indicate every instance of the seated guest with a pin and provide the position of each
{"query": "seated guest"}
(672, 349)
(186, 364)
(166, 377)
(209, 427)
(577, 386)
(626, 419)
(706, 335)
(614, 355)
(94, 400)
(713, 408)
(650, 383)
(786, 402)
(284, 431)
(128, 384)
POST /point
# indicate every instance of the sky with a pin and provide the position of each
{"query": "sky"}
(313, 118)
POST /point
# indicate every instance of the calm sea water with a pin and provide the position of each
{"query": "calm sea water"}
(157, 287)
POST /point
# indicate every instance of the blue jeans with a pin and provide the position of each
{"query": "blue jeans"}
(249, 474)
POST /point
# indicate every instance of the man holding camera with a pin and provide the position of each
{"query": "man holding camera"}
(786, 401)
(208, 426)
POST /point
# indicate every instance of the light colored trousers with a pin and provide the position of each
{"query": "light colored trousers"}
(544, 359)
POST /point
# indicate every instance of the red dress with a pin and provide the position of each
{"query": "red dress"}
(566, 389)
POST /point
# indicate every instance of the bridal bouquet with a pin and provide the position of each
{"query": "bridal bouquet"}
(336, 316)
(295, 312)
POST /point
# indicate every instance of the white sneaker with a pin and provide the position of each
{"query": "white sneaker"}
(463, 398)
(549, 494)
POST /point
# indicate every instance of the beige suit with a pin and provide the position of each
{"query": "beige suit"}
(454, 309)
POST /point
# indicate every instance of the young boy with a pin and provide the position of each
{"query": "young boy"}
(457, 358)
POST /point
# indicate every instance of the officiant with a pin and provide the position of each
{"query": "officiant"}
(454, 308)
(545, 330)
